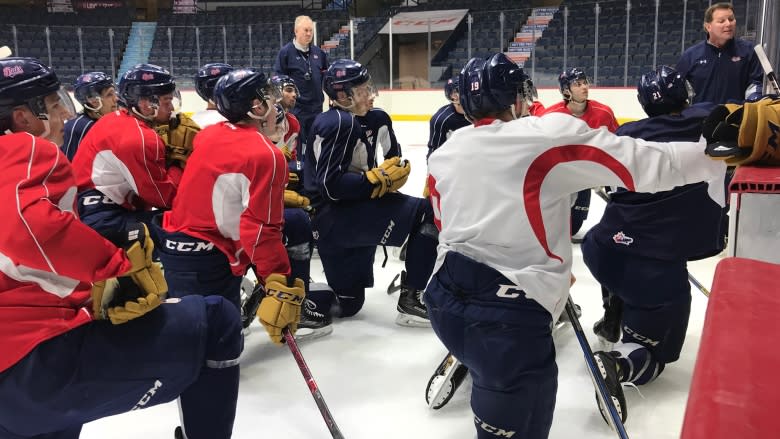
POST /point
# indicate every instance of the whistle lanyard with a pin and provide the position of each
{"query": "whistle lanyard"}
(306, 57)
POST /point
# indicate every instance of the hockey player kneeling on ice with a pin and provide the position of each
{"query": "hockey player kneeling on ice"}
(640, 248)
(84, 330)
(229, 211)
(504, 261)
(357, 202)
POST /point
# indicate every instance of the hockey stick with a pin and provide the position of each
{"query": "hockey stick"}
(604, 196)
(598, 381)
(767, 66)
(5, 52)
(315, 391)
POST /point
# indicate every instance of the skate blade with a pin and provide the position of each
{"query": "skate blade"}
(412, 321)
(558, 326)
(306, 334)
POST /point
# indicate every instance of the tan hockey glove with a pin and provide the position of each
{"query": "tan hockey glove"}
(281, 306)
(178, 137)
(293, 181)
(389, 176)
(743, 134)
(294, 199)
(136, 292)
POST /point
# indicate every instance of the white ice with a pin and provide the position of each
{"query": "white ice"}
(373, 373)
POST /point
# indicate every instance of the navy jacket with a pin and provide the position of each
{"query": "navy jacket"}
(721, 75)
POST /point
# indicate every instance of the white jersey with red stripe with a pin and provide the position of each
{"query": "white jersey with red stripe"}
(232, 194)
(500, 191)
(124, 158)
(48, 258)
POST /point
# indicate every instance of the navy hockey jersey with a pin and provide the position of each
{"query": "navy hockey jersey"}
(683, 223)
(75, 130)
(335, 164)
(442, 124)
(378, 128)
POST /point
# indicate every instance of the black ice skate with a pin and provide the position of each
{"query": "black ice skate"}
(250, 301)
(609, 369)
(314, 323)
(608, 328)
(411, 309)
(444, 382)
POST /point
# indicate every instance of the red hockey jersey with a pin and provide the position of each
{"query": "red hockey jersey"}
(48, 258)
(232, 194)
(125, 160)
(596, 114)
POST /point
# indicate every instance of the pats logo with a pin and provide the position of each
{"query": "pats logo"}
(10, 72)
(736, 58)
(215, 71)
(147, 77)
(621, 238)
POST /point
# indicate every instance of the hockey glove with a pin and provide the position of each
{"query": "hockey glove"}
(178, 136)
(136, 292)
(286, 151)
(281, 306)
(389, 176)
(742, 134)
(294, 199)
(293, 181)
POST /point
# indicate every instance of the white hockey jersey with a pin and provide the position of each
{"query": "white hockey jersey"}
(500, 191)
(207, 117)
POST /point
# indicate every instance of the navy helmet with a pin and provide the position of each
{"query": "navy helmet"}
(451, 86)
(663, 91)
(567, 77)
(207, 77)
(24, 81)
(144, 81)
(282, 81)
(89, 86)
(235, 92)
(343, 75)
(489, 86)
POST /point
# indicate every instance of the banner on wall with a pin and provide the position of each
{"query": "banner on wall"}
(417, 22)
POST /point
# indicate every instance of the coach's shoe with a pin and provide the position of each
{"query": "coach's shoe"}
(314, 323)
(411, 309)
(610, 372)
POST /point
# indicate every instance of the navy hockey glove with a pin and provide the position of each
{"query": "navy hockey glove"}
(389, 176)
(281, 306)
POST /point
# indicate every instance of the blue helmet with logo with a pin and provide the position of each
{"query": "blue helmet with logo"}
(282, 81)
(207, 77)
(89, 86)
(24, 81)
(144, 81)
(235, 92)
(343, 75)
(451, 86)
(489, 86)
(663, 91)
(567, 77)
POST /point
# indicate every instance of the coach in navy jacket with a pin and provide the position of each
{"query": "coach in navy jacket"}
(722, 68)
(304, 63)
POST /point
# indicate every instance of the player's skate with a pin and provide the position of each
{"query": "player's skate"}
(444, 382)
(610, 371)
(608, 328)
(250, 301)
(411, 309)
(315, 323)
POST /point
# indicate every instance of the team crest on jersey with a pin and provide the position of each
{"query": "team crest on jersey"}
(622, 238)
(10, 72)
(736, 58)
(702, 61)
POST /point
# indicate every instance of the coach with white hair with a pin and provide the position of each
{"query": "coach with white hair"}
(304, 63)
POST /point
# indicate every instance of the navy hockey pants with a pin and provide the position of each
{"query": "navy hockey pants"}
(348, 235)
(505, 342)
(194, 266)
(106, 217)
(656, 296)
(185, 349)
(298, 241)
